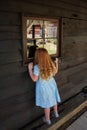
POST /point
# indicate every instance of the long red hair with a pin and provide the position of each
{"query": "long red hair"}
(46, 65)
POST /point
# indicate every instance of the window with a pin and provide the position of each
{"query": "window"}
(40, 32)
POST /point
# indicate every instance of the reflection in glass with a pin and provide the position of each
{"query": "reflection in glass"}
(31, 48)
(51, 46)
(50, 29)
(34, 28)
(41, 33)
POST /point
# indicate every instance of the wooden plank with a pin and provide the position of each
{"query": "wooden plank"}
(32, 8)
(71, 90)
(70, 128)
(19, 118)
(85, 114)
(8, 28)
(14, 91)
(76, 127)
(84, 120)
(77, 2)
(9, 18)
(10, 57)
(9, 36)
(74, 80)
(80, 124)
(79, 39)
(60, 4)
(77, 78)
(15, 107)
(75, 69)
(64, 109)
(68, 116)
(12, 69)
(17, 90)
(17, 94)
(10, 46)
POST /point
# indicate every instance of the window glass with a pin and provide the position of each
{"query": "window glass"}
(40, 32)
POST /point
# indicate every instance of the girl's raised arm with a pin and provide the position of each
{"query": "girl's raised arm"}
(56, 65)
(30, 70)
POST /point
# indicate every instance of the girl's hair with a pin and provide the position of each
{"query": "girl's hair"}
(47, 67)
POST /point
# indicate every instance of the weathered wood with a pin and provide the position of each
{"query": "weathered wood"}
(16, 85)
(13, 121)
(80, 123)
(8, 28)
(85, 114)
(61, 5)
(67, 110)
(57, 4)
(9, 36)
(17, 91)
(69, 116)
(10, 57)
(10, 46)
(12, 68)
(35, 7)
(70, 128)
(9, 18)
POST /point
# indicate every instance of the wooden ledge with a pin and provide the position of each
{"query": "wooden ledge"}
(68, 116)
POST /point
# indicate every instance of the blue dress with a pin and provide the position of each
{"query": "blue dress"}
(47, 94)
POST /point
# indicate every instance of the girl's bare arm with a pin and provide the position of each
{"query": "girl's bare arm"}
(30, 70)
(56, 65)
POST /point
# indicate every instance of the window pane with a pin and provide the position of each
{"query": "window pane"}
(34, 28)
(51, 45)
(31, 48)
(40, 32)
(32, 45)
(50, 29)
(40, 42)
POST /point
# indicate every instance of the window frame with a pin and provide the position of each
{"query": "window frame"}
(24, 36)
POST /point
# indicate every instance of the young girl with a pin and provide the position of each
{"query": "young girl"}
(47, 94)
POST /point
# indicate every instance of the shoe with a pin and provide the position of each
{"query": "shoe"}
(48, 122)
(55, 114)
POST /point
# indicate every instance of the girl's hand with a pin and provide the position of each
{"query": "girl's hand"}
(30, 66)
(56, 65)
(56, 60)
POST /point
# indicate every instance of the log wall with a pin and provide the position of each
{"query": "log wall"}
(17, 91)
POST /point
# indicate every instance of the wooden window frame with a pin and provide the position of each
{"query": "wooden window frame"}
(24, 36)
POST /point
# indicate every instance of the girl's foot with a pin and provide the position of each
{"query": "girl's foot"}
(48, 122)
(55, 114)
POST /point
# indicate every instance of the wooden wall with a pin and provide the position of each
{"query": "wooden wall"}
(17, 91)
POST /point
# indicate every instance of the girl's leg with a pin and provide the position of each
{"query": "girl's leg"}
(55, 108)
(55, 114)
(46, 119)
(47, 113)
